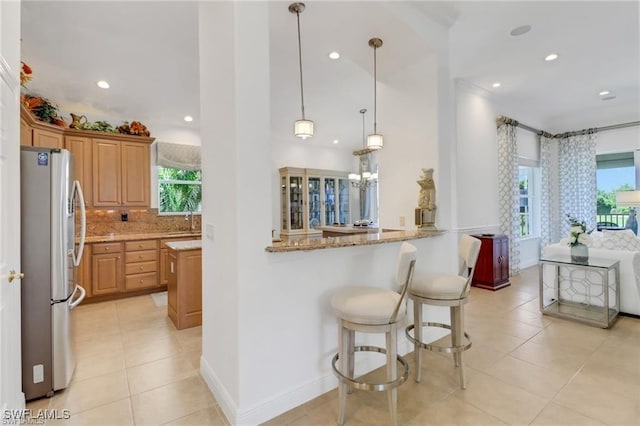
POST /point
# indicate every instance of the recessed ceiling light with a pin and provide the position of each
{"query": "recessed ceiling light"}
(334, 55)
(335, 141)
(496, 84)
(103, 84)
(188, 118)
(523, 29)
(551, 57)
(604, 93)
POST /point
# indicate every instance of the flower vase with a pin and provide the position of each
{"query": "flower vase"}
(579, 253)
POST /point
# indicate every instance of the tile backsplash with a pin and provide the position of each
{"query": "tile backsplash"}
(105, 222)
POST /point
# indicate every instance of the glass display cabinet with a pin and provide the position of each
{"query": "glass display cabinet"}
(311, 198)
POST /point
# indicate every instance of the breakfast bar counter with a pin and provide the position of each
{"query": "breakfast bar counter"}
(363, 239)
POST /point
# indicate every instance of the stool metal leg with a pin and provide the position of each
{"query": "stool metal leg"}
(392, 372)
(463, 381)
(455, 337)
(417, 333)
(343, 388)
(352, 356)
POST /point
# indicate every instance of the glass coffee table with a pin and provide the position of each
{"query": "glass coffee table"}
(584, 291)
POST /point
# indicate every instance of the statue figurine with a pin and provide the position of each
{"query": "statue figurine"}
(427, 190)
(426, 211)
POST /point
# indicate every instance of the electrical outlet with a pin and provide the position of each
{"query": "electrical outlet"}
(209, 231)
(124, 216)
(402, 220)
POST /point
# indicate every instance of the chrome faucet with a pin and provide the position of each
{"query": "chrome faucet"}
(188, 216)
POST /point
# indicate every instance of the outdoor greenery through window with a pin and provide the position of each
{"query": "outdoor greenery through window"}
(615, 172)
(528, 201)
(179, 191)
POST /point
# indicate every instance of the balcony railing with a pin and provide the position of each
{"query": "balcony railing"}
(611, 221)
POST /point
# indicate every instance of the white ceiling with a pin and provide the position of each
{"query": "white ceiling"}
(148, 51)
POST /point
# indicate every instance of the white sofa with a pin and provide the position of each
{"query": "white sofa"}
(623, 246)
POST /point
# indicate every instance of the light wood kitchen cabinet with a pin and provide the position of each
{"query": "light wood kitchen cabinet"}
(120, 174)
(135, 174)
(184, 289)
(106, 173)
(81, 148)
(164, 258)
(47, 139)
(106, 268)
(141, 264)
(26, 137)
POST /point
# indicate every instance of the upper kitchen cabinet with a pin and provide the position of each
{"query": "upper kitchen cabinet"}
(37, 133)
(121, 172)
(81, 148)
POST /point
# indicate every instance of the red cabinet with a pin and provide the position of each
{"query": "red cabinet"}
(492, 267)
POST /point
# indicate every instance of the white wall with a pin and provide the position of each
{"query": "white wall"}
(268, 333)
(477, 161)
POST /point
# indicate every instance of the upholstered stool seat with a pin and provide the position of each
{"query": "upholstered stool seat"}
(372, 310)
(366, 305)
(444, 290)
(438, 286)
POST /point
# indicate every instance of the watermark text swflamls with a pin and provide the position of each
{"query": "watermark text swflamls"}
(33, 417)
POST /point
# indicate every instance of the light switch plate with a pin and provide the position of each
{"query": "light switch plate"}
(209, 231)
(38, 373)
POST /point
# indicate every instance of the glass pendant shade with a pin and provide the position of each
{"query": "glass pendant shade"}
(375, 141)
(303, 128)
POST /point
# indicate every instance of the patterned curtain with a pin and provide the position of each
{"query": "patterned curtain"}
(577, 170)
(546, 233)
(509, 190)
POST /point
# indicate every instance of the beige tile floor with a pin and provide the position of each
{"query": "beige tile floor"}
(134, 367)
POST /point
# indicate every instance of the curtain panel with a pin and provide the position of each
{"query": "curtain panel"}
(178, 156)
(577, 168)
(509, 191)
(546, 215)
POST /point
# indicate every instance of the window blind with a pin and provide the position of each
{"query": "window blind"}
(178, 156)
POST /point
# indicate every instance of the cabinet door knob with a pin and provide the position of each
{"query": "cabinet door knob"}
(141, 268)
(141, 281)
(106, 249)
(140, 257)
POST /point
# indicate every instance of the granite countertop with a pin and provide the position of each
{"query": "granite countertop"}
(348, 229)
(185, 245)
(112, 238)
(315, 242)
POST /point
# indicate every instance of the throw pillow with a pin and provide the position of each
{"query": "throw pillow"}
(621, 240)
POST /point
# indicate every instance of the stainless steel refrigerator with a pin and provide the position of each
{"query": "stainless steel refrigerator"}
(52, 213)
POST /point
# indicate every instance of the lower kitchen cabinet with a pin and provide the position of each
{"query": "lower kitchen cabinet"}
(106, 268)
(164, 258)
(185, 287)
(141, 264)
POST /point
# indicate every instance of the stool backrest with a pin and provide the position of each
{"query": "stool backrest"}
(404, 274)
(468, 250)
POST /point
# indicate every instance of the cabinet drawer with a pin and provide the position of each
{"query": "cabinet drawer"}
(141, 245)
(140, 268)
(104, 248)
(133, 282)
(141, 256)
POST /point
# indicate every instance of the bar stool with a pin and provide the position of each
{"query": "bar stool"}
(372, 310)
(445, 290)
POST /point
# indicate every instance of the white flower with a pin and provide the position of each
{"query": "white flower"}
(583, 238)
(576, 229)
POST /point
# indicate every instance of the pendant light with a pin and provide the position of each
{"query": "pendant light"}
(375, 140)
(302, 128)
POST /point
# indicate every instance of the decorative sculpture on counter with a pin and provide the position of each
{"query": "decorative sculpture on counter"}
(426, 211)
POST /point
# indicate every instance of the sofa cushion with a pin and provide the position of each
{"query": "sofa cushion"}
(618, 240)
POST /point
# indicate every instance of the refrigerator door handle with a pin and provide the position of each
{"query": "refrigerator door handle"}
(77, 192)
(76, 302)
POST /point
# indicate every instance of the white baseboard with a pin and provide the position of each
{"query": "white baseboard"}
(284, 401)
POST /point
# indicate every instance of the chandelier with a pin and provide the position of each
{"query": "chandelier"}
(365, 178)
